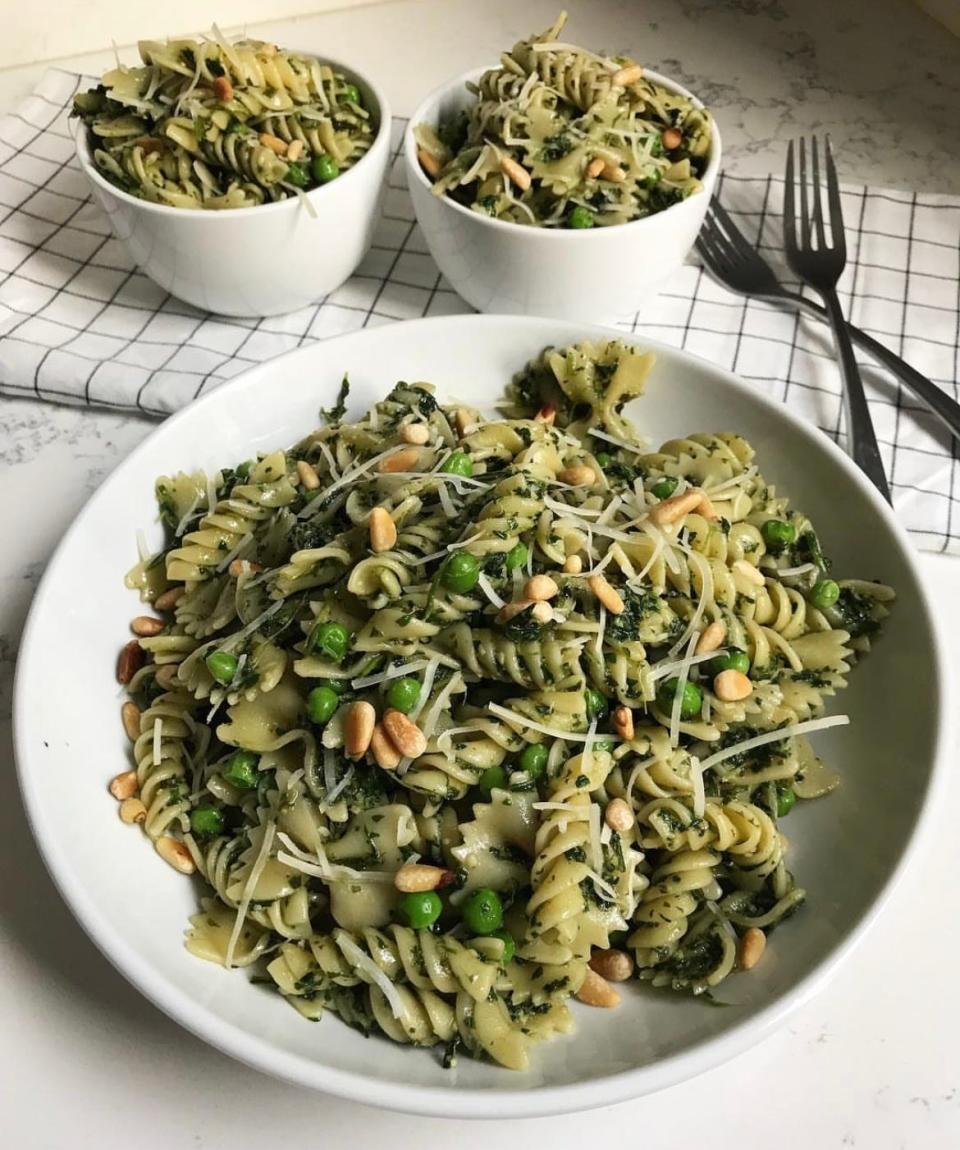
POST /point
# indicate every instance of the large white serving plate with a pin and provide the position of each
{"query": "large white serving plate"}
(846, 850)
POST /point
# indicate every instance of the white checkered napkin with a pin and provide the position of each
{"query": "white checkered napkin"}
(79, 324)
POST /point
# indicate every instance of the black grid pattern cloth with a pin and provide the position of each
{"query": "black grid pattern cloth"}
(79, 324)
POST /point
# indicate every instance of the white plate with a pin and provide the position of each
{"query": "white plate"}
(846, 850)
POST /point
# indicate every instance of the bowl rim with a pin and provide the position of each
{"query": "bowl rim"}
(555, 235)
(81, 139)
(455, 1102)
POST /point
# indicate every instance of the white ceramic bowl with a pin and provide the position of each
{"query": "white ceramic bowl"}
(598, 274)
(846, 849)
(265, 260)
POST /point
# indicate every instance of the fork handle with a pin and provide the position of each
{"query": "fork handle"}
(864, 448)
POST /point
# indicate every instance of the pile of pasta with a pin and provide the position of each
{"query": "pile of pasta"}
(209, 124)
(561, 137)
(567, 787)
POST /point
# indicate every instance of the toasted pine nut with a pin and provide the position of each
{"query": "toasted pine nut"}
(222, 88)
(358, 725)
(383, 530)
(239, 566)
(547, 413)
(623, 723)
(749, 572)
(174, 852)
(577, 476)
(706, 508)
(404, 733)
(752, 946)
(132, 811)
(146, 625)
(614, 965)
(169, 599)
(429, 162)
(542, 612)
(572, 565)
(711, 638)
(614, 173)
(294, 150)
(130, 717)
(539, 588)
(671, 138)
(510, 610)
(307, 476)
(166, 675)
(629, 75)
(674, 508)
(274, 143)
(732, 686)
(422, 876)
(463, 419)
(609, 596)
(385, 754)
(595, 167)
(596, 991)
(132, 658)
(124, 785)
(515, 173)
(403, 460)
(618, 816)
(417, 433)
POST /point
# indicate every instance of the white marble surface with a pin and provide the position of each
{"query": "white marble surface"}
(85, 1062)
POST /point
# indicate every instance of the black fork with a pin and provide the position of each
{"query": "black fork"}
(820, 265)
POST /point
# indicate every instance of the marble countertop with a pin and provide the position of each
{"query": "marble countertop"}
(872, 1060)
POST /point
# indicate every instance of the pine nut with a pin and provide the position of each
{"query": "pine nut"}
(239, 566)
(403, 460)
(404, 733)
(623, 723)
(124, 785)
(595, 167)
(274, 143)
(130, 717)
(596, 991)
(307, 476)
(385, 754)
(711, 639)
(547, 413)
(175, 853)
(222, 88)
(540, 588)
(609, 596)
(510, 610)
(417, 433)
(732, 686)
(572, 565)
(629, 75)
(674, 508)
(166, 675)
(577, 476)
(421, 876)
(133, 811)
(671, 139)
(618, 816)
(752, 946)
(515, 173)
(542, 612)
(169, 599)
(383, 530)
(614, 173)
(146, 625)
(464, 419)
(429, 162)
(294, 150)
(614, 965)
(749, 572)
(358, 725)
(132, 658)
(706, 508)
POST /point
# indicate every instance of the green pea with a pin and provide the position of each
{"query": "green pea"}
(461, 572)
(733, 659)
(665, 487)
(533, 759)
(580, 217)
(404, 694)
(604, 458)
(322, 702)
(482, 911)
(241, 770)
(458, 464)
(421, 908)
(297, 175)
(222, 665)
(509, 946)
(337, 685)
(493, 777)
(205, 821)
(351, 93)
(596, 704)
(777, 534)
(690, 702)
(786, 797)
(517, 556)
(329, 639)
(825, 593)
(324, 168)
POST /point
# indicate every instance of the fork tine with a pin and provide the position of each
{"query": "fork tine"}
(804, 201)
(817, 196)
(736, 237)
(711, 254)
(833, 199)
(789, 207)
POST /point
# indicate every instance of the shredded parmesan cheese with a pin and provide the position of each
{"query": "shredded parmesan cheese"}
(774, 737)
(485, 586)
(157, 736)
(368, 970)
(263, 854)
(522, 721)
